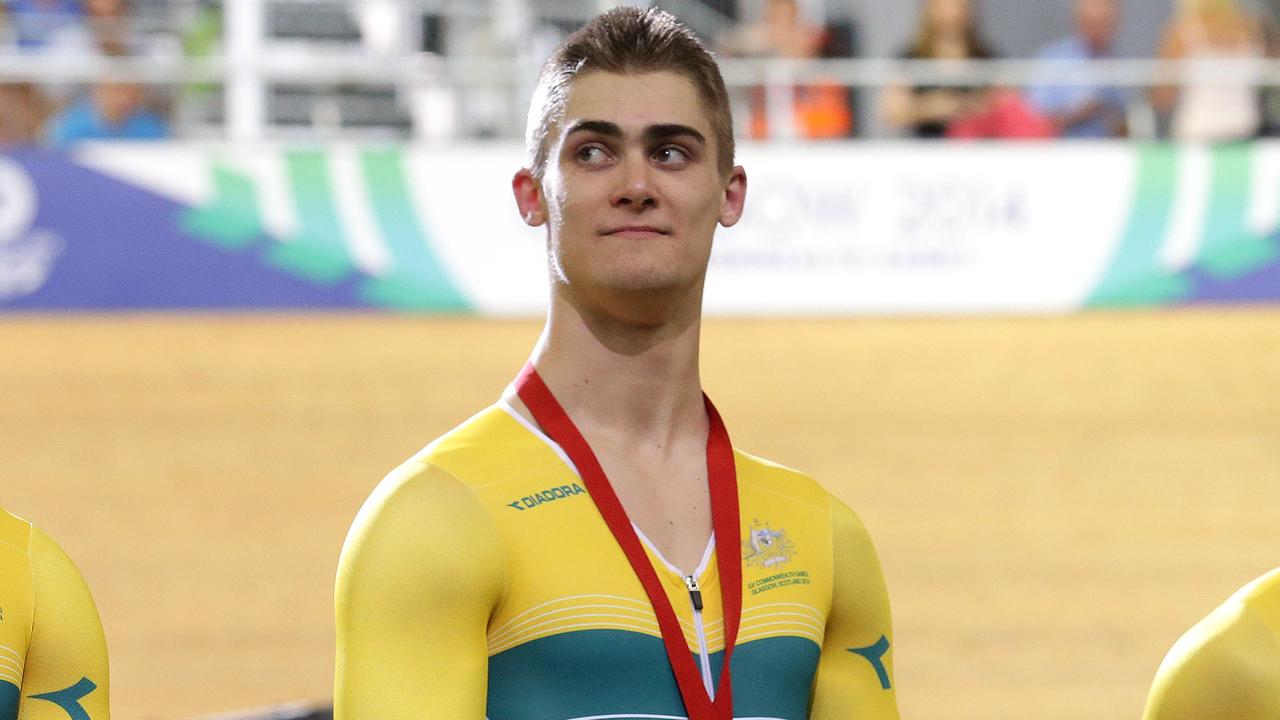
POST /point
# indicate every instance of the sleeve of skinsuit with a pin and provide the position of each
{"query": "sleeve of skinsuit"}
(855, 669)
(1227, 667)
(420, 574)
(65, 675)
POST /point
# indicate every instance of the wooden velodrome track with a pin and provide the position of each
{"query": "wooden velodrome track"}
(1054, 499)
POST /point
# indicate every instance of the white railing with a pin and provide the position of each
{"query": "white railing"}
(426, 83)
(337, 68)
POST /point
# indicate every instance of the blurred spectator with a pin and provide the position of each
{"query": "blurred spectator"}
(1086, 108)
(780, 33)
(1270, 94)
(816, 110)
(105, 30)
(947, 30)
(1003, 115)
(22, 110)
(1204, 33)
(34, 22)
(112, 111)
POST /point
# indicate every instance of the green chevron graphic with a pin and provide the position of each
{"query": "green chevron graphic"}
(1134, 277)
(417, 279)
(231, 221)
(1229, 249)
(319, 252)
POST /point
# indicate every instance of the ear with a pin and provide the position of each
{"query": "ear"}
(735, 197)
(528, 192)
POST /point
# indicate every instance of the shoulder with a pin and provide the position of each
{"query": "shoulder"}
(59, 588)
(781, 483)
(1262, 596)
(422, 533)
(785, 482)
(419, 525)
(486, 448)
(433, 493)
(50, 562)
(781, 480)
(1226, 665)
(416, 490)
(15, 531)
(17, 583)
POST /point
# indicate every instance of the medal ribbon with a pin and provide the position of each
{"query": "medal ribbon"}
(723, 483)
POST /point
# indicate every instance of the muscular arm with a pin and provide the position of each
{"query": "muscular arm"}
(65, 675)
(419, 576)
(855, 669)
(1227, 667)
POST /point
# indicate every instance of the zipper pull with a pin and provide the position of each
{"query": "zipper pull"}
(695, 592)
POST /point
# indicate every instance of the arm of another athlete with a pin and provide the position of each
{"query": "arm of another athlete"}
(1227, 667)
(855, 669)
(420, 574)
(65, 673)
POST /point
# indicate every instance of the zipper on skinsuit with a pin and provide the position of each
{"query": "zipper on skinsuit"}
(695, 597)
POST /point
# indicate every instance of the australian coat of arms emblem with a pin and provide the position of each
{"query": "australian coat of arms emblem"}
(765, 547)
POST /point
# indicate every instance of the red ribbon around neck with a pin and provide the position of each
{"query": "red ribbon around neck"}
(723, 482)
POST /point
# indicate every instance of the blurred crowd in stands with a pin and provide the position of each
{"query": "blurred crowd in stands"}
(54, 111)
(1198, 31)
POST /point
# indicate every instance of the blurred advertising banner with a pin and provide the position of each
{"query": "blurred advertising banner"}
(856, 228)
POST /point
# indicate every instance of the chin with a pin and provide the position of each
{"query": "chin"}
(645, 280)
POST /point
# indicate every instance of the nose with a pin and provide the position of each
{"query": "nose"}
(635, 190)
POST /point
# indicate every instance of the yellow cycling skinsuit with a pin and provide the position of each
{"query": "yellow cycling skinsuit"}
(1227, 667)
(479, 580)
(53, 658)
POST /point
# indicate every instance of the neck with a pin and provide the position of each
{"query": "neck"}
(625, 382)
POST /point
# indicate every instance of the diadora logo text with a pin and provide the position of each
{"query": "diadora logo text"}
(26, 256)
(528, 502)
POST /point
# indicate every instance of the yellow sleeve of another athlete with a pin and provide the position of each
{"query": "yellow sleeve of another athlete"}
(66, 665)
(1227, 667)
(420, 573)
(855, 669)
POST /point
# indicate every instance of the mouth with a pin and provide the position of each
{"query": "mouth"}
(638, 232)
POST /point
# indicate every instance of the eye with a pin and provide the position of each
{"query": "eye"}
(672, 156)
(591, 155)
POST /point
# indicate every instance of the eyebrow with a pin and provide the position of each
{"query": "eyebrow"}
(653, 133)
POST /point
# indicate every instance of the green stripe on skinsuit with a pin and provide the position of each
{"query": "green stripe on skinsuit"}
(8, 701)
(615, 672)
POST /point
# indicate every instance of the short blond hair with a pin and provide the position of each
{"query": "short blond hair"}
(628, 40)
